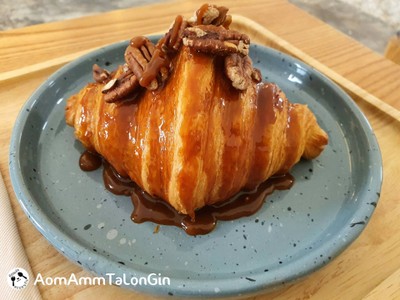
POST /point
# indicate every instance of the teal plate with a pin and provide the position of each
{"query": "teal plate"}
(296, 231)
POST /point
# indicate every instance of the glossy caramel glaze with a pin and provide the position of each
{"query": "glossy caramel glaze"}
(148, 208)
(196, 140)
(89, 161)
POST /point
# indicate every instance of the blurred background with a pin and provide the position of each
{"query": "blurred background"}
(371, 22)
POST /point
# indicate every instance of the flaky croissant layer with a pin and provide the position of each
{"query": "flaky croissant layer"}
(197, 140)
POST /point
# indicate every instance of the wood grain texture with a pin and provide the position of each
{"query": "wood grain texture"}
(368, 269)
(264, 36)
(392, 50)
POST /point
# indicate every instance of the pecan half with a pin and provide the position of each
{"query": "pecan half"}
(138, 55)
(239, 70)
(119, 88)
(147, 62)
(100, 75)
(211, 15)
(216, 40)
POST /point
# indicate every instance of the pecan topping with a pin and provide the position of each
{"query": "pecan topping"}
(138, 55)
(118, 88)
(239, 70)
(146, 62)
(211, 15)
(148, 65)
(100, 75)
(216, 40)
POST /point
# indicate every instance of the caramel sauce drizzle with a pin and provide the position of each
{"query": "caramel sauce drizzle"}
(153, 68)
(148, 208)
(90, 161)
(138, 41)
(175, 30)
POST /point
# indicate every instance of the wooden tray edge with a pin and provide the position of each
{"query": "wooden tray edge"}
(261, 35)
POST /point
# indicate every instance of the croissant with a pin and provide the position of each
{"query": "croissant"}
(208, 131)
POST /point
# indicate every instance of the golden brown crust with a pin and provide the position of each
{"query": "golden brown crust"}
(197, 140)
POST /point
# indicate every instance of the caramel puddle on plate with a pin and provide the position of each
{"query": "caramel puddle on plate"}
(148, 208)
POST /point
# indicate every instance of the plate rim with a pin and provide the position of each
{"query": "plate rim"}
(227, 286)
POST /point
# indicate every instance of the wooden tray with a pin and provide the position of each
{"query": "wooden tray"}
(368, 263)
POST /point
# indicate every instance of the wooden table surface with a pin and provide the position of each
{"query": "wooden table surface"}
(368, 269)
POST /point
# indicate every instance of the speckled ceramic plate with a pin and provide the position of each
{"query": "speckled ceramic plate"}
(296, 232)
